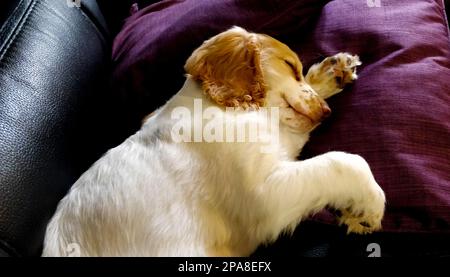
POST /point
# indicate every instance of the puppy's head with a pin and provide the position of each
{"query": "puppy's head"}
(242, 69)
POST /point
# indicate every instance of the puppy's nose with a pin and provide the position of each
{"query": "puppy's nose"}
(326, 111)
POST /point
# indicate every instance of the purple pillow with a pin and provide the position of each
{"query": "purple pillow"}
(396, 115)
(155, 42)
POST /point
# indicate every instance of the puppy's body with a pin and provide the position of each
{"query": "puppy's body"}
(151, 196)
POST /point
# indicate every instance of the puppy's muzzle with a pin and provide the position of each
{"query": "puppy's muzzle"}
(326, 111)
(309, 104)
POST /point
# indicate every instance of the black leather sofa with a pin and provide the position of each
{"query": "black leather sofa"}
(58, 115)
(55, 107)
(54, 70)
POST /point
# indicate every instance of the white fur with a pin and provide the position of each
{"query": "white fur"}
(150, 196)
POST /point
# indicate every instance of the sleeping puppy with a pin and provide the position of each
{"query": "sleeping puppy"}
(192, 183)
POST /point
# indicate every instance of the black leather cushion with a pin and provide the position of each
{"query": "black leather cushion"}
(312, 239)
(54, 65)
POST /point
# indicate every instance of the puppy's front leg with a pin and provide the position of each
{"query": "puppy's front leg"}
(331, 75)
(343, 181)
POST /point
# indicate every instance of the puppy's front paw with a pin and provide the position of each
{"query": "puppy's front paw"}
(342, 67)
(332, 74)
(365, 216)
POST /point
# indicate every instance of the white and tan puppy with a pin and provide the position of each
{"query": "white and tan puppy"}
(169, 191)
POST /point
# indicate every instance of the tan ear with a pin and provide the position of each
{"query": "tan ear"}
(229, 67)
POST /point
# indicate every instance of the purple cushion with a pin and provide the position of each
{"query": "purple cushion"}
(396, 115)
(150, 51)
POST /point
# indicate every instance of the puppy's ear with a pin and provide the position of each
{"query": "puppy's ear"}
(229, 67)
